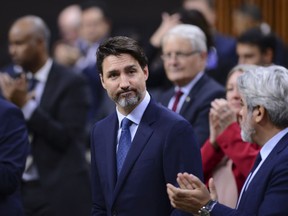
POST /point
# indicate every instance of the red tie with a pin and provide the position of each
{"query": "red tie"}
(178, 95)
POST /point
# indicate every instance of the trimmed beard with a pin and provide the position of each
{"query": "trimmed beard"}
(129, 102)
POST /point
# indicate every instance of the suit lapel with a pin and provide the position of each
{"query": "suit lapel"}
(265, 168)
(50, 87)
(140, 140)
(190, 99)
(111, 140)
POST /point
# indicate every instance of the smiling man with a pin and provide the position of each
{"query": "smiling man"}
(141, 146)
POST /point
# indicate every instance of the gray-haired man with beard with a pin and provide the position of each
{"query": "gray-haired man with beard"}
(141, 146)
(263, 120)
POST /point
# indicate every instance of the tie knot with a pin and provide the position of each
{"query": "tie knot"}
(178, 93)
(32, 82)
(125, 123)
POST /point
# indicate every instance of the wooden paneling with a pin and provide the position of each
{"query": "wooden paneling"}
(275, 13)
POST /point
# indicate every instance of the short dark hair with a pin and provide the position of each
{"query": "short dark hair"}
(257, 37)
(120, 45)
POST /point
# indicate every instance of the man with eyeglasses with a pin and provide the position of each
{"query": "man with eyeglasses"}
(184, 54)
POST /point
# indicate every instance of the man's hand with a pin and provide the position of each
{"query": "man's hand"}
(15, 90)
(192, 194)
(220, 117)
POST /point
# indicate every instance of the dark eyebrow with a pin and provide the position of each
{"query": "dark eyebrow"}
(130, 67)
(112, 72)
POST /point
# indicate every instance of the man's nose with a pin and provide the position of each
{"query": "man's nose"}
(124, 81)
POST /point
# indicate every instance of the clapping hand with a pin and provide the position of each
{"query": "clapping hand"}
(220, 117)
(192, 194)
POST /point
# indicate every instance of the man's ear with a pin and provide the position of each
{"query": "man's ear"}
(259, 113)
(102, 81)
(146, 72)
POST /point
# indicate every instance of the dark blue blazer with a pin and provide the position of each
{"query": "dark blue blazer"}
(267, 193)
(197, 105)
(14, 146)
(226, 57)
(164, 145)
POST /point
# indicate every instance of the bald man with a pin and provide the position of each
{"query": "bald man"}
(56, 179)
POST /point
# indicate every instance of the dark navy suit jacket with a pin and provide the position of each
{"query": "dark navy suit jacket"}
(226, 57)
(267, 193)
(14, 147)
(197, 105)
(164, 145)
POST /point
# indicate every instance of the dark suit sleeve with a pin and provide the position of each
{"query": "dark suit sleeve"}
(13, 149)
(181, 154)
(68, 121)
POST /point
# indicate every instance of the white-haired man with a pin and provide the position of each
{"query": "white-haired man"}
(263, 120)
(184, 55)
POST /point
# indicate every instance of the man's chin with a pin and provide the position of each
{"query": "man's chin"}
(127, 102)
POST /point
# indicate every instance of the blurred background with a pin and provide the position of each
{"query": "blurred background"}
(138, 17)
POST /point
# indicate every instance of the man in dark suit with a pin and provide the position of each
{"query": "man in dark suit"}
(131, 165)
(263, 120)
(56, 179)
(184, 55)
(14, 147)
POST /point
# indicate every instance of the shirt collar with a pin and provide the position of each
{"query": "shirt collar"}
(42, 74)
(270, 144)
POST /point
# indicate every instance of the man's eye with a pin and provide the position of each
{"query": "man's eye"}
(112, 76)
(132, 71)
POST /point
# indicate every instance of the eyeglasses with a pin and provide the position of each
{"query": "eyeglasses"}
(178, 55)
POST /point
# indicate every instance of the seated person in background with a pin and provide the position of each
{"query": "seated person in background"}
(184, 55)
(14, 147)
(225, 156)
(256, 47)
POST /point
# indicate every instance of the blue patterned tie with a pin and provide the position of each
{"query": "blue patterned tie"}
(124, 143)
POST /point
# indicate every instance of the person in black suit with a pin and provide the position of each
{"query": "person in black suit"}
(184, 55)
(56, 181)
(14, 146)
